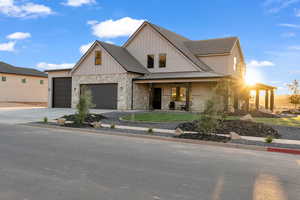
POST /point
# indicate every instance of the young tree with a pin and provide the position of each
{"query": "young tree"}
(85, 103)
(294, 98)
(223, 89)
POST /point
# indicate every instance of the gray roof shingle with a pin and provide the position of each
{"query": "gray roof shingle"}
(179, 75)
(212, 46)
(124, 58)
(9, 69)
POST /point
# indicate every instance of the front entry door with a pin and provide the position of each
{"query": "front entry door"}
(157, 98)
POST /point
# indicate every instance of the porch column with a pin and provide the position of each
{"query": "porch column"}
(150, 96)
(188, 91)
(272, 100)
(257, 99)
(236, 101)
(247, 100)
(267, 99)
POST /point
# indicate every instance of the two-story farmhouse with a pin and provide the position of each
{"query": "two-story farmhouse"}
(154, 69)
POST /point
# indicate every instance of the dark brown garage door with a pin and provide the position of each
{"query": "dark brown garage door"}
(62, 89)
(105, 96)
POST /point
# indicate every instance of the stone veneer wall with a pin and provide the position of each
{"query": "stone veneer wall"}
(124, 81)
(200, 93)
(140, 96)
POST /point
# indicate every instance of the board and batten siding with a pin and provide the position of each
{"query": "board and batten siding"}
(109, 64)
(224, 63)
(148, 41)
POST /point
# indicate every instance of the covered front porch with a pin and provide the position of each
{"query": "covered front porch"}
(255, 97)
(173, 93)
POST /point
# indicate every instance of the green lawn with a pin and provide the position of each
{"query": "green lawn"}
(181, 117)
(161, 117)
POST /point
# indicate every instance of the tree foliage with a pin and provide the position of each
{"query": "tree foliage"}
(295, 89)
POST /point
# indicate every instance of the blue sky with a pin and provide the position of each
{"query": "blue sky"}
(49, 34)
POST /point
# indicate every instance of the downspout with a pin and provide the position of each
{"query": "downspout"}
(131, 94)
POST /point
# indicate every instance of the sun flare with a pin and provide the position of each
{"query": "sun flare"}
(253, 76)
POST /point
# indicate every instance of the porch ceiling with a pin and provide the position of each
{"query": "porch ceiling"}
(179, 77)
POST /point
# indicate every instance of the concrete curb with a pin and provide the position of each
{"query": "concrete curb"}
(161, 138)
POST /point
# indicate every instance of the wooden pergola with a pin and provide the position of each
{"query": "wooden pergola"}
(269, 95)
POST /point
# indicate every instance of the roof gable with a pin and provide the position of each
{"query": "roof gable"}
(175, 40)
(119, 54)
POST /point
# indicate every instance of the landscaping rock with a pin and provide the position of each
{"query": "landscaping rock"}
(178, 131)
(89, 119)
(244, 128)
(235, 136)
(61, 121)
(247, 117)
(96, 124)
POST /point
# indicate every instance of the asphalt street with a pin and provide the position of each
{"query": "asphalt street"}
(52, 164)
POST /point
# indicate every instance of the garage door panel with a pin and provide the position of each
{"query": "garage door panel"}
(62, 92)
(105, 96)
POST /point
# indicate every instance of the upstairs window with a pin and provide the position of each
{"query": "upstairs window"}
(150, 61)
(162, 60)
(41, 82)
(234, 63)
(98, 57)
(3, 78)
(23, 80)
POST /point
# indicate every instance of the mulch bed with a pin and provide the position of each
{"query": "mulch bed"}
(205, 137)
(89, 119)
(244, 128)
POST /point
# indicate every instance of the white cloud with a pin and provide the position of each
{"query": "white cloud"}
(45, 66)
(274, 6)
(18, 36)
(297, 48)
(112, 29)
(78, 3)
(256, 63)
(16, 9)
(288, 34)
(84, 48)
(109, 42)
(9, 46)
(297, 12)
(290, 25)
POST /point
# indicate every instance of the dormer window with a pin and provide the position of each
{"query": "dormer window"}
(162, 60)
(98, 57)
(150, 61)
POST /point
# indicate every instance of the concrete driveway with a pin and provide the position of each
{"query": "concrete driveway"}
(17, 115)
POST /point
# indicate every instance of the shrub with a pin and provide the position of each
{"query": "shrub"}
(112, 126)
(150, 130)
(269, 139)
(208, 121)
(85, 103)
(45, 120)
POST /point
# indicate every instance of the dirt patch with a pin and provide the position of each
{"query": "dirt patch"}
(244, 128)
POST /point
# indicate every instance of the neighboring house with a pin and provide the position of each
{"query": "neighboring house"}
(24, 85)
(154, 69)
